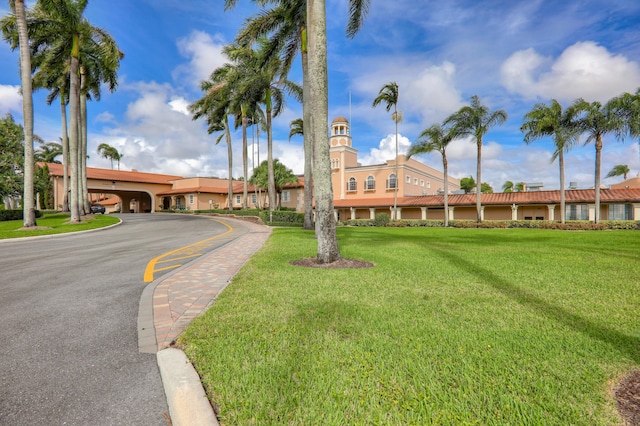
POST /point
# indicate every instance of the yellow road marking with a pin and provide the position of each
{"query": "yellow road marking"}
(151, 266)
(179, 258)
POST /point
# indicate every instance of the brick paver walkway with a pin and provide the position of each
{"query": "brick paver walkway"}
(182, 296)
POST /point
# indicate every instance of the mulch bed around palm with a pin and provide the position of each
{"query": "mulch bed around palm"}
(627, 395)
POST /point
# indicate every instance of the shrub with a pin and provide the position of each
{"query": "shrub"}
(282, 218)
(381, 219)
(15, 214)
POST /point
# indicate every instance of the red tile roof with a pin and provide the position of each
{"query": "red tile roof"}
(501, 198)
(118, 175)
(194, 190)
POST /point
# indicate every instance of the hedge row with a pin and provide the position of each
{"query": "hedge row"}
(282, 218)
(501, 224)
(272, 218)
(15, 215)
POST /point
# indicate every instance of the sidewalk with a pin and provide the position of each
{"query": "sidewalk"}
(171, 302)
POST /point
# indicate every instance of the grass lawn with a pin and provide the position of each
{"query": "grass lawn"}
(451, 327)
(56, 224)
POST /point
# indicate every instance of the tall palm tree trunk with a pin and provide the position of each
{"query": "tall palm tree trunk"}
(479, 181)
(445, 166)
(65, 151)
(271, 185)
(308, 138)
(29, 212)
(395, 192)
(74, 98)
(84, 200)
(597, 179)
(562, 194)
(227, 135)
(319, 112)
(245, 161)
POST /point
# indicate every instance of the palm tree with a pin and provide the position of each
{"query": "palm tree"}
(286, 28)
(215, 107)
(48, 152)
(467, 184)
(263, 85)
(619, 170)
(109, 152)
(596, 120)
(20, 15)
(318, 106)
(296, 128)
(435, 138)
(65, 43)
(551, 121)
(507, 186)
(315, 100)
(475, 120)
(389, 95)
(283, 177)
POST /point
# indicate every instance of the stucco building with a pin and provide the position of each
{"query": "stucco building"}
(360, 192)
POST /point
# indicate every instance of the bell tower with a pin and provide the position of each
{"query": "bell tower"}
(342, 154)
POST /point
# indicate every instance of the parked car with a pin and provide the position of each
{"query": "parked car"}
(97, 208)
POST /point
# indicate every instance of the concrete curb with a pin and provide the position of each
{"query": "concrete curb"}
(188, 403)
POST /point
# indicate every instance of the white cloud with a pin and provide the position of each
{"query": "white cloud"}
(204, 53)
(386, 150)
(427, 92)
(10, 99)
(181, 105)
(584, 69)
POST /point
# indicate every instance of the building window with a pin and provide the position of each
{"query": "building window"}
(392, 182)
(286, 196)
(335, 163)
(352, 185)
(415, 181)
(371, 184)
(620, 212)
(421, 182)
(408, 179)
(429, 185)
(254, 199)
(577, 212)
(238, 199)
(190, 198)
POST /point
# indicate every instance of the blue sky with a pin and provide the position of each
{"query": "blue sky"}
(511, 53)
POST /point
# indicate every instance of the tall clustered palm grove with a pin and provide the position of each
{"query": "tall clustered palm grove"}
(71, 58)
(300, 25)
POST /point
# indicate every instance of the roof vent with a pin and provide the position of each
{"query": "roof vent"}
(573, 185)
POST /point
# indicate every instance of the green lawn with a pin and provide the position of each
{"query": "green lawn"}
(57, 224)
(451, 327)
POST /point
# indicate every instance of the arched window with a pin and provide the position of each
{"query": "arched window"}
(371, 183)
(352, 186)
(392, 182)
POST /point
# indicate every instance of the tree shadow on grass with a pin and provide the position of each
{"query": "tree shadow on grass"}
(622, 342)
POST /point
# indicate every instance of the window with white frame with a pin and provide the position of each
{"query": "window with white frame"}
(415, 181)
(421, 182)
(620, 212)
(190, 198)
(238, 199)
(577, 212)
(392, 182)
(286, 196)
(371, 183)
(429, 185)
(254, 199)
(408, 179)
(352, 185)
